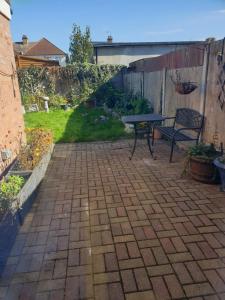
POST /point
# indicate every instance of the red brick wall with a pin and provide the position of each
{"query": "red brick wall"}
(11, 118)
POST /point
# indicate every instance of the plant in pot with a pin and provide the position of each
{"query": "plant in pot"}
(220, 165)
(200, 163)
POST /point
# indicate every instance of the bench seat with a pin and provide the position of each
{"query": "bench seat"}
(170, 131)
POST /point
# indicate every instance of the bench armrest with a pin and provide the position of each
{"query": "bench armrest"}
(186, 128)
(168, 118)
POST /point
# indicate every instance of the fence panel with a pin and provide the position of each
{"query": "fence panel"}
(215, 96)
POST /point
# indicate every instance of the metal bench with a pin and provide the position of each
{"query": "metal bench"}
(190, 120)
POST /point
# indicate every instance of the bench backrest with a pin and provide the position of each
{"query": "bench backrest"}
(189, 118)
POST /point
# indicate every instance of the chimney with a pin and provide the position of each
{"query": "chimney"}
(25, 39)
(210, 39)
(109, 39)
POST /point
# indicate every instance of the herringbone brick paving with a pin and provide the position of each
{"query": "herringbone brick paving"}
(104, 227)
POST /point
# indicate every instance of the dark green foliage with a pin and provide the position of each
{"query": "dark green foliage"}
(75, 82)
(108, 95)
(134, 105)
(81, 48)
(203, 151)
(121, 102)
(78, 83)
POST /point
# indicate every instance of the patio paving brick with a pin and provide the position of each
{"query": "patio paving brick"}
(104, 227)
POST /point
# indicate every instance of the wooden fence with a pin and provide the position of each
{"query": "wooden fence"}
(204, 65)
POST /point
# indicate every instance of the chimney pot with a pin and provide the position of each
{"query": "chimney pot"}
(110, 39)
(25, 39)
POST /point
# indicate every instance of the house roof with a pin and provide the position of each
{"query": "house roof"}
(42, 47)
(106, 44)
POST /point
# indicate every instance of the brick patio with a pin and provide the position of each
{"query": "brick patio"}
(104, 227)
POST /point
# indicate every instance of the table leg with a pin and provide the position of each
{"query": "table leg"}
(135, 143)
(149, 145)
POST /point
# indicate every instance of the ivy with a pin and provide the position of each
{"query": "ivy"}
(65, 80)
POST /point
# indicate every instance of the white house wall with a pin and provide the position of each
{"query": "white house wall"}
(5, 9)
(124, 55)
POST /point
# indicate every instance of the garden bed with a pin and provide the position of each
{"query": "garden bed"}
(13, 219)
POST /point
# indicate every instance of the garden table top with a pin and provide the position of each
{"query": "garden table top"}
(132, 119)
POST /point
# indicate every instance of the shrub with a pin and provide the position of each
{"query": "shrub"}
(29, 99)
(133, 105)
(38, 143)
(108, 95)
(121, 102)
(9, 189)
(203, 151)
(57, 100)
(48, 81)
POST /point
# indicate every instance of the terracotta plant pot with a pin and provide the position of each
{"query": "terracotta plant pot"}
(203, 170)
(157, 134)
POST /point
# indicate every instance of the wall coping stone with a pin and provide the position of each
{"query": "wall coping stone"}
(5, 9)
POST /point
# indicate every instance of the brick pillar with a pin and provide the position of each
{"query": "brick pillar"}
(11, 117)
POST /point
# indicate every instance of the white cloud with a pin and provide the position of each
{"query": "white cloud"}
(166, 32)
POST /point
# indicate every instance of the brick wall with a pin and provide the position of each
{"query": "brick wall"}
(11, 118)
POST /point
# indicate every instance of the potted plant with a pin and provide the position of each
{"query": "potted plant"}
(220, 165)
(200, 163)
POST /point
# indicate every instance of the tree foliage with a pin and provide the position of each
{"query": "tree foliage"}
(81, 48)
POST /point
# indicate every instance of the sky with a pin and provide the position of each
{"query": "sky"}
(125, 20)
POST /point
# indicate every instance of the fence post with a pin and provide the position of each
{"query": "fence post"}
(163, 108)
(143, 84)
(204, 79)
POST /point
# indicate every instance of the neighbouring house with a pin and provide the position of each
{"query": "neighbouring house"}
(125, 53)
(11, 116)
(35, 53)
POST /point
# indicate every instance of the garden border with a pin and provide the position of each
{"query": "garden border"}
(12, 220)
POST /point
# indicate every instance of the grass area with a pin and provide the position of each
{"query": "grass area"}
(79, 125)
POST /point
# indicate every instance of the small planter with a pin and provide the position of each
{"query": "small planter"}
(157, 134)
(221, 168)
(203, 170)
(184, 88)
(12, 220)
(34, 180)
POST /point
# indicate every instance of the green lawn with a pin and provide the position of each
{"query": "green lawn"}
(79, 125)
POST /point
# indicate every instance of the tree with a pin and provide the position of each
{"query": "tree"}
(81, 48)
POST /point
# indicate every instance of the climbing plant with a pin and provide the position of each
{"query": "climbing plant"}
(74, 82)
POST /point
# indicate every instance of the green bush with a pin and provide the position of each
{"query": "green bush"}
(76, 77)
(203, 151)
(108, 95)
(57, 100)
(78, 83)
(133, 105)
(9, 189)
(121, 102)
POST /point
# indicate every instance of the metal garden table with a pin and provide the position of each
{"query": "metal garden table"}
(136, 120)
